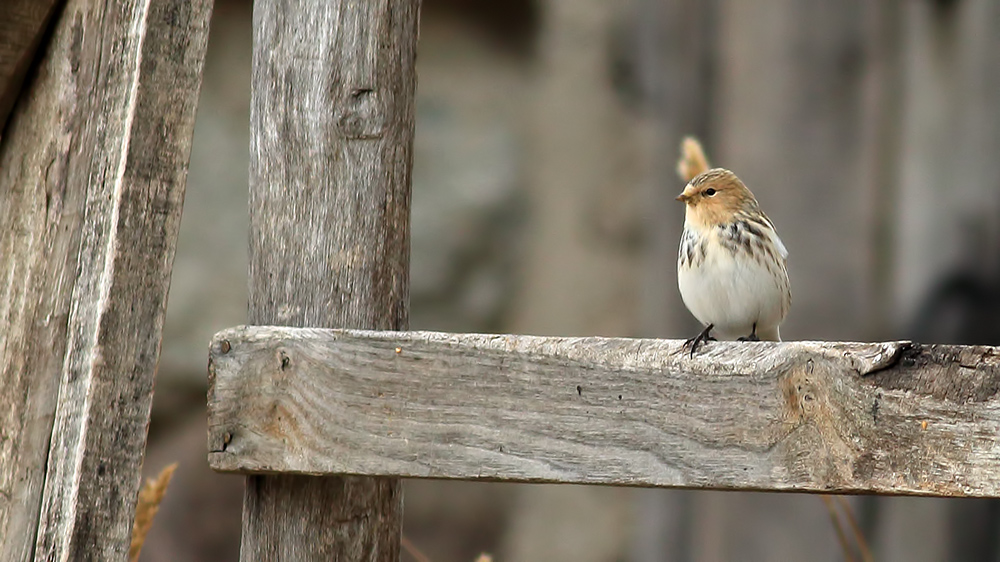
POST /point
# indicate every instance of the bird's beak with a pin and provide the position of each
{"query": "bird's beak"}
(682, 197)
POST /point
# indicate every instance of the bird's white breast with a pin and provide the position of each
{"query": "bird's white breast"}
(732, 290)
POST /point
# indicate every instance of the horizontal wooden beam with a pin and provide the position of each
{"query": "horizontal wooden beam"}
(887, 418)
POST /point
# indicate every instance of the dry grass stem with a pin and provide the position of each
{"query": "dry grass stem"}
(831, 507)
(859, 537)
(413, 551)
(150, 496)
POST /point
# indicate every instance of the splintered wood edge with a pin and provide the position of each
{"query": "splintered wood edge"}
(886, 418)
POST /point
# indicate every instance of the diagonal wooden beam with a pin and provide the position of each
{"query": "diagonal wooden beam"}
(92, 174)
(887, 418)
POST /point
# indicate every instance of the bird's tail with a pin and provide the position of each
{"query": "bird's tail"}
(692, 161)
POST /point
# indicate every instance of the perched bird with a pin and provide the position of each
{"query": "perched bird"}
(731, 266)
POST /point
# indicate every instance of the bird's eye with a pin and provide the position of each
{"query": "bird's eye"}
(710, 192)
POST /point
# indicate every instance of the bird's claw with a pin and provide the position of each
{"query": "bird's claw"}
(704, 336)
(752, 336)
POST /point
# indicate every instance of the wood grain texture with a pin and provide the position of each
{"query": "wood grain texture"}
(331, 155)
(888, 418)
(22, 26)
(92, 171)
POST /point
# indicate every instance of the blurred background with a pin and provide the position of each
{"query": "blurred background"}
(547, 133)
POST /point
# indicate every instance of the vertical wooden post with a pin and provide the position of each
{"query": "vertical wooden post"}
(331, 154)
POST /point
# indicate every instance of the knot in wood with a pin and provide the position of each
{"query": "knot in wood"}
(800, 392)
(361, 114)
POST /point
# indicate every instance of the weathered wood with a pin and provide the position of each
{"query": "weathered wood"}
(92, 176)
(889, 418)
(22, 25)
(331, 154)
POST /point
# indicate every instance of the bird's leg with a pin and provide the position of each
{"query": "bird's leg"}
(752, 336)
(705, 335)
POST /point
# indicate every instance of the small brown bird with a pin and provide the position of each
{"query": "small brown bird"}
(731, 267)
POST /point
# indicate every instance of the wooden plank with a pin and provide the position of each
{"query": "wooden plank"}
(91, 182)
(22, 25)
(888, 418)
(331, 154)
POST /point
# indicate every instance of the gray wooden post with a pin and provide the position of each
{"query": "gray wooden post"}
(92, 171)
(331, 152)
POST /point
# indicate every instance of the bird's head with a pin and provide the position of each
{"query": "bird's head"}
(715, 197)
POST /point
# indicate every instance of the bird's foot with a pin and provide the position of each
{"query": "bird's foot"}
(704, 336)
(752, 336)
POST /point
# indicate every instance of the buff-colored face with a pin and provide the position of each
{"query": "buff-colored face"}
(714, 197)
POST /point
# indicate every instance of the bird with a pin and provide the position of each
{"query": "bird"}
(731, 264)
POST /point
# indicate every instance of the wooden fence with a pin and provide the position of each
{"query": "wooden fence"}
(327, 412)
(326, 421)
